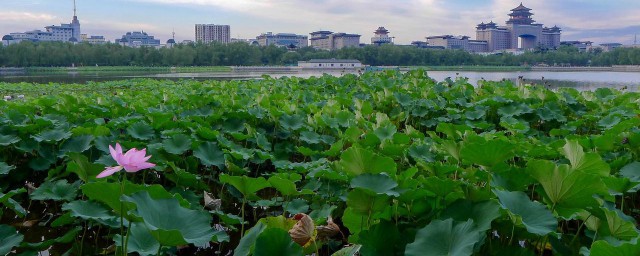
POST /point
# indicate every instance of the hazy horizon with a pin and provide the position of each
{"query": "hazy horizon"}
(407, 20)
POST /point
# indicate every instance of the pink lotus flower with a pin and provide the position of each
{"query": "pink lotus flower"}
(132, 161)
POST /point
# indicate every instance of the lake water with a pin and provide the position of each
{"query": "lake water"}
(580, 80)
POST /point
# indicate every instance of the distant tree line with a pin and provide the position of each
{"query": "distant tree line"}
(56, 54)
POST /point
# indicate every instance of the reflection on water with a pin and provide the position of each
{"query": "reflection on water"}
(578, 80)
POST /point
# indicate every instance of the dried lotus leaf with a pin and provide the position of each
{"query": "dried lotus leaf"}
(329, 230)
(211, 203)
(303, 230)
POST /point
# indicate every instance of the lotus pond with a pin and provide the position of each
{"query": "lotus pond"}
(378, 164)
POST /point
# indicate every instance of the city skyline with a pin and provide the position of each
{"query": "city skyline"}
(407, 20)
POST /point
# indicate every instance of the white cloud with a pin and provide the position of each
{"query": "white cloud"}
(13, 16)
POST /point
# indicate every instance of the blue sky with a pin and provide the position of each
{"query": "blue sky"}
(407, 20)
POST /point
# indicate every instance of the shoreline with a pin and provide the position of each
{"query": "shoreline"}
(295, 69)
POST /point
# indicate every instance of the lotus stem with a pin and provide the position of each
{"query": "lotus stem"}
(122, 242)
(244, 201)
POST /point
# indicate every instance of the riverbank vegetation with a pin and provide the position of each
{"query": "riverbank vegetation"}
(125, 69)
(386, 163)
(56, 54)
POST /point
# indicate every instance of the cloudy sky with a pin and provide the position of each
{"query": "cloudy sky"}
(407, 20)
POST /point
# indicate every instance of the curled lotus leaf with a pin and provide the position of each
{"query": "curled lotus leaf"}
(304, 230)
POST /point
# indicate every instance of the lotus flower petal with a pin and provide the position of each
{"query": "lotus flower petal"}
(109, 171)
(132, 161)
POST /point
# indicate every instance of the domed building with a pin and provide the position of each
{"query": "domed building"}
(7, 40)
(170, 43)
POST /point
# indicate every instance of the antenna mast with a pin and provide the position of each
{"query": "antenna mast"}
(74, 8)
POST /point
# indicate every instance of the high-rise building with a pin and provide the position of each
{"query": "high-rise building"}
(283, 40)
(208, 33)
(327, 40)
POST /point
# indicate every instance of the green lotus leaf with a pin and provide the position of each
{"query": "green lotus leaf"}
(609, 121)
(536, 218)
(248, 241)
(549, 114)
(41, 163)
(59, 190)
(210, 154)
(141, 131)
(356, 160)
(296, 206)
(631, 171)
(54, 135)
(382, 239)
(377, 183)
(6, 140)
(348, 251)
(68, 237)
(444, 238)
(604, 248)
(88, 210)
(263, 142)
(482, 213)
(177, 144)
(77, 144)
(109, 193)
(514, 110)
(233, 124)
(284, 186)
(619, 186)
(5, 168)
(9, 238)
(183, 178)
(453, 148)
(421, 152)
(12, 204)
(589, 163)
(81, 166)
(618, 225)
(452, 131)
(514, 124)
(246, 185)
(404, 99)
(364, 202)
(441, 187)
(346, 118)
(176, 225)
(275, 241)
(475, 114)
(310, 137)
(568, 191)
(323, 212)
(488, 154)
(139, 241)
(385, 133)
(291, 122)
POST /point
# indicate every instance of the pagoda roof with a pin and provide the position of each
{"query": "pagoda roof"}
(381, 30)
(520, 8)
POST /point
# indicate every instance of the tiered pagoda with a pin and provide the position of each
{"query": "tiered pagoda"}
(521, 15)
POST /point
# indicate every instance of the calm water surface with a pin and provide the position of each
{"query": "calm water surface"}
(578, 80)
